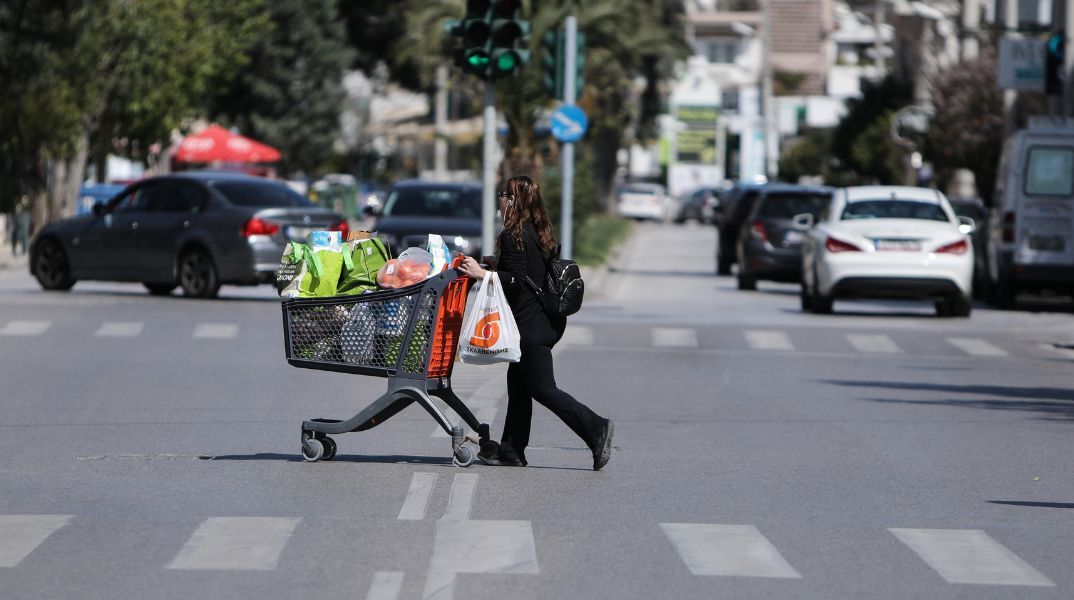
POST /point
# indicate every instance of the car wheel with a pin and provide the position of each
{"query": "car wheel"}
(943, 307)
(959, 306)
(1003, 293)
(197, 274)
(821, 304)
(746, 281)
(805, 298)
(159, 289)
(51, 268)
(723, 265)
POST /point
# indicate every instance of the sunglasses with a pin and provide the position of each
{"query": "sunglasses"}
(502, 195)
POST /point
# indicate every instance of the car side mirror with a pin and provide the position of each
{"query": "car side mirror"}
(967, 225)
(99, 209)
(803, 221)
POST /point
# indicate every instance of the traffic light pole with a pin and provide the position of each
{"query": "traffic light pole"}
(570, 72)
(488, 174)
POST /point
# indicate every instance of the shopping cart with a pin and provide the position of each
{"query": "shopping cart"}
(409, 335)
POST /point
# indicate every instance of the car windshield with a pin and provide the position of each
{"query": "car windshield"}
(434, 202)
(260, 194)
(786, 206)
(893, 209)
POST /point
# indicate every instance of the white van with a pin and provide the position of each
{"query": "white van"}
(1031, 230)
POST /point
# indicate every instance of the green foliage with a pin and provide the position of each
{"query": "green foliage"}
(878, 159)
(597, 237)
(863, 115)
(290, 95)
(807, 156)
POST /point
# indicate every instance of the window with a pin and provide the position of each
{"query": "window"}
(182, 198)
(786, 206)
(142, 199)
(434, 202)
(893, 209)
(260, 194)
(1050, 171)
(721, 50)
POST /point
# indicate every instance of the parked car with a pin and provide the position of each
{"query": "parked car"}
(734, 208)
(643, 201)
(1031, 228)
(887, 242)
(414, 209)
(698, 205)
(770, 243)
(194, 230)
(974, 208)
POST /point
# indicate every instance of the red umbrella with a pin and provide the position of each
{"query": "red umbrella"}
(216, 144)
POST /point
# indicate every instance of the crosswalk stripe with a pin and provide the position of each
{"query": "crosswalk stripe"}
(21, 534)
(216, 330)
(976, 347)
(386, 585)
(874, 344)
(119, 329)
(970, 556)
(673, 337)
(727, 550)
(462, 497)
(768, 340)
(478, 547)
(25, 328)
(577, 335)
(417, 497)
(236, 543)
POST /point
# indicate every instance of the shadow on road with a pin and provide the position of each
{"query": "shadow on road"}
(134, 293)
(1033, 504)
(357, 458)
(1057, 403)
(660, 273)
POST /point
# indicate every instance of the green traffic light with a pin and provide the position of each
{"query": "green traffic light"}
(506, 62)
(478, 60)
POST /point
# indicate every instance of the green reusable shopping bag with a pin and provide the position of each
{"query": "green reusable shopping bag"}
(316, 272)
(362, 260)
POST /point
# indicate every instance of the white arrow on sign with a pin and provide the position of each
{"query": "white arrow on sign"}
(573, 128)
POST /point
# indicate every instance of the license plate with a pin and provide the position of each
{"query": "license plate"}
(299, 234)
(897, 245)
(1052, 243)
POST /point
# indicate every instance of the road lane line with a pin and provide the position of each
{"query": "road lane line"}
(21, 534)
(674, 337)
(873, 344)
(970, 556)
(478, 547)
(120, 329)
(727, 550)
(386, 585)
(25, 328)
(417, 498)
(236, 544)
(215, 330)
(462, 497)
(577, 335)
(976, 347)
(768, 340)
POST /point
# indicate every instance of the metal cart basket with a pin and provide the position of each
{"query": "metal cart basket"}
(409, 335)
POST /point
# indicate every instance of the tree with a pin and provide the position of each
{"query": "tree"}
(861, 157)
(291, 95)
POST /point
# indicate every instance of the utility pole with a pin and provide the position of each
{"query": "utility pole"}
(440, 145)
(971, 20)
(1010, 97)
(488, 173)
(771, 145)
(566, 156)
(878, 21)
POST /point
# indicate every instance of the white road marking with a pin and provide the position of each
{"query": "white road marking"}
(417, 498)
(976, 347)
(768, 340)
(21, 534)
(873, 344)
(577, 335)
(674, 337)
(462, 497)
(236, 543)
(119, 329)
(970, 556)
(26, 328)
(386, 585)
(485, 400)
(478, 547)
(727, 550)
(216, 330)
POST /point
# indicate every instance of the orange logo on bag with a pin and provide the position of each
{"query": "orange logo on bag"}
(487, 331)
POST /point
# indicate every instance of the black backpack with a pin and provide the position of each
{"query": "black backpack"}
(563, 286)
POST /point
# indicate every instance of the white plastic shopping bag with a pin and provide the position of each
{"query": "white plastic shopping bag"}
(489, 334)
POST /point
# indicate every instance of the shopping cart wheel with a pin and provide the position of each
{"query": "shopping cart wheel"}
(312, 450)
(329, 448)
(464, 456)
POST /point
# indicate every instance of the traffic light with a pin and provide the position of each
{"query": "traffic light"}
(490, 32)
(508, 32)
(1054, 51)
(552, 63)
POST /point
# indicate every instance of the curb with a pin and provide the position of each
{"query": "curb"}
(594, 276)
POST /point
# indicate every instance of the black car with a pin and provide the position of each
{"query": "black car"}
(414, 209)
(975, 209)
(195, 230)
(699, 205)
(729, 215)
(769, 243)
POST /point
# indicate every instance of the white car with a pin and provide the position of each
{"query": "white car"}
(888, 242)
(643, 201)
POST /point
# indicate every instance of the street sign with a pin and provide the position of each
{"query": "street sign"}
(569, 124)
(1021, 64)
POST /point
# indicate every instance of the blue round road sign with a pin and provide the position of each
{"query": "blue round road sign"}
(569, 124)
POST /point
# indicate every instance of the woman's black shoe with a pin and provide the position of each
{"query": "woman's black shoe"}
(603, 450)
(490, 455)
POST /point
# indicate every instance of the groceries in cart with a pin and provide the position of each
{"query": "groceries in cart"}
(311, 270)
(367, 255)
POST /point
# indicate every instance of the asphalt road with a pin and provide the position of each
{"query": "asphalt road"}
(149, 449)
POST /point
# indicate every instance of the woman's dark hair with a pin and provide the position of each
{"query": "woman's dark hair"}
(527, 206)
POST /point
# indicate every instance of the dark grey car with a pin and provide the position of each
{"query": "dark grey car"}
(194, 230)
(414, 209)
(769, 243)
